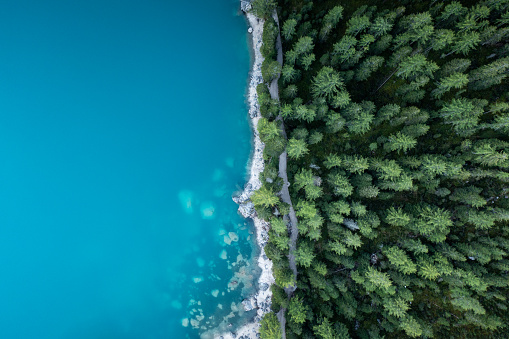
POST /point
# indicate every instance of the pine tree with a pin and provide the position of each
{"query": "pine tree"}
(330, 21)
(452, 12)
(340, 184)
(304, 45)
(397, 217)
(289, 73)
(406, 236)
(416, 65)
(464, 43)
(442, 38)
(288, 29)
(270, 327)
(270, 70)
(304, 254)
(462, 114)
(380, 26)
(326, 83)
(455, 80)
(489, 75)
(400, 260)
(297, 310)
(368, 66)
(357, 24)
(344, 49)
(400, 142)
(297, 148)
(264, 197)
(263, 8)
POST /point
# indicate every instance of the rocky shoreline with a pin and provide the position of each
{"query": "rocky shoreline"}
(261, 301)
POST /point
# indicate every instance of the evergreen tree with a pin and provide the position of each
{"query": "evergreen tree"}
(270, 327)
(397, 121)
(288, 29)
(297, 148)
(326, 83)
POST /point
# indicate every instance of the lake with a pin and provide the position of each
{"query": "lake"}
(123, 135)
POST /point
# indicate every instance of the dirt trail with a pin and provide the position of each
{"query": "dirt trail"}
(285, 193)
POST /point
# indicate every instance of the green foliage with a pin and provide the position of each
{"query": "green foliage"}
(400, 259)
(455, 80)
(270, 31)
(288, 29)
(368, 66)
(415, 65)
(304, 254)
(263, 8)
(270, 328)
(283, 276)
(357, 24)
(375, 279)
(326, 83)
(297, 310)
(304, 45)
(264, 197)
(462, 114)
(398, 122)
(330, 21)
(396, 307)
(270, 70)
(296, 148)
(340, 184)
(411, 327)
(400, 142)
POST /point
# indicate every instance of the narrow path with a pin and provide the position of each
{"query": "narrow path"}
(282, 320)
(283, 158)
(285, 193)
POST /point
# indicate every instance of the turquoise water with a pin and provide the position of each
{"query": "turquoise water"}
(123, 135)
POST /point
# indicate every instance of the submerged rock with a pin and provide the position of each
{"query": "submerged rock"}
(227, 239)
(207, 210)
(233, 236)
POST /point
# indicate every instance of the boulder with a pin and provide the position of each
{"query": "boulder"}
(249, 304)
(245, 6)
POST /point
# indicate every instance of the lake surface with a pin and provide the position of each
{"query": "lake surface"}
(123, 135)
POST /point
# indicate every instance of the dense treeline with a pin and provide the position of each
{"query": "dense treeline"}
(397, 116)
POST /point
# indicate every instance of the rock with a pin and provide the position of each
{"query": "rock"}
(374, 259)
(233, 236)
(317, 181)
(250, 30)
(245, 6)
(247, 209)
(249, 304)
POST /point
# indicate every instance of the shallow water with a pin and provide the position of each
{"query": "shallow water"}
(123, 135)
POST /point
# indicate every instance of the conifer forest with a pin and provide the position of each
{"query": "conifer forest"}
(394, 118)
